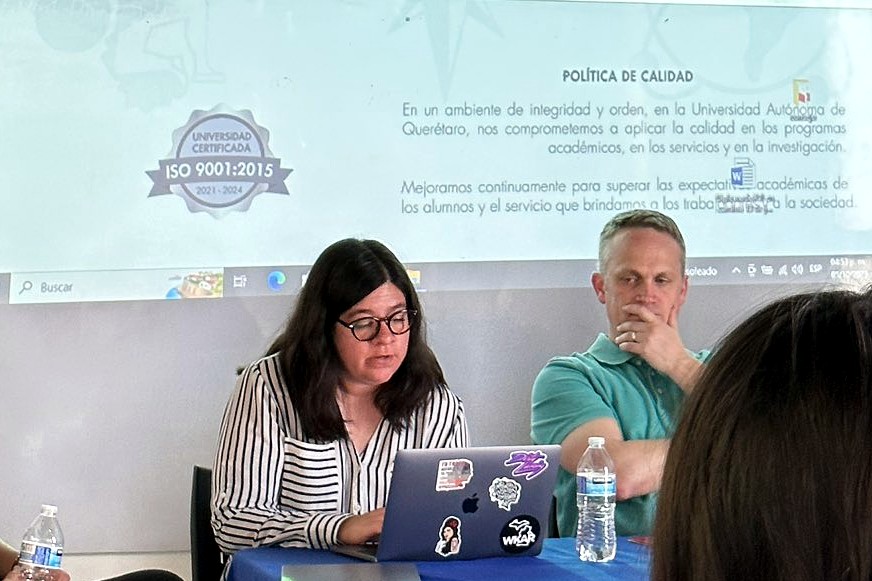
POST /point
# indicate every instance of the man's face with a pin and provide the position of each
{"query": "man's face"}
(642, 266)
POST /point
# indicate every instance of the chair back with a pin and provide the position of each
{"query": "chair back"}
(206, 559)
(553, 533)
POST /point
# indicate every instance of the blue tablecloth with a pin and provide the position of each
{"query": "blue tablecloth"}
(558, 561)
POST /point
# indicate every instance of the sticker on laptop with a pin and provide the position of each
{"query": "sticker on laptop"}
(505, 492)
(449, 537)
(528, 463)
(453, 474)
(519, 534)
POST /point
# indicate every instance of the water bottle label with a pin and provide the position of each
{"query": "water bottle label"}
(43, 555)
(598, 485)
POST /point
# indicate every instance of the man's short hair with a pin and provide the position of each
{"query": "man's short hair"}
(639, 219)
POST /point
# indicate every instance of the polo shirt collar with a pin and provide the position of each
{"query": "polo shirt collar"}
(607, 352)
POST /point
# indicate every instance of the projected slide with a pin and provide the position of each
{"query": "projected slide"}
(211, 149)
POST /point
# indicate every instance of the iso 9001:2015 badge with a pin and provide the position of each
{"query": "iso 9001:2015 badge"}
(219, 162)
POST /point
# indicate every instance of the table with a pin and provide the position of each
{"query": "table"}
(558, 561)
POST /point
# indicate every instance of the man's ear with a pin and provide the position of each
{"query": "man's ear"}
(683, 295)
(598, 282)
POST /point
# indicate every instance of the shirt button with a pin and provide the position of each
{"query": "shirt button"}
(356, 508)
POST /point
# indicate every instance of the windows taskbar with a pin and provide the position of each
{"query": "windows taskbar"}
(20, 288)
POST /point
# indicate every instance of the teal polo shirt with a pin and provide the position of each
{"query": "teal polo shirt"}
(604, 382)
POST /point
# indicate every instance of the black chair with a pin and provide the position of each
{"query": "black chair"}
(148, 575)
(206, 558)
(553, 533)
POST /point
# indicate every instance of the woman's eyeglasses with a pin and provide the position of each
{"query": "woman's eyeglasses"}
(367, 328)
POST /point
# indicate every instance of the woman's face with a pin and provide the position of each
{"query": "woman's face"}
(447, 533)
(369, 364)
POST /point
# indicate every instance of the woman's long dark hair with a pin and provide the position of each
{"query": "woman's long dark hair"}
(345, 273)
(769, 474)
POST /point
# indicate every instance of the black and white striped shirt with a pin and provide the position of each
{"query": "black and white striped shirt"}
(273, 486)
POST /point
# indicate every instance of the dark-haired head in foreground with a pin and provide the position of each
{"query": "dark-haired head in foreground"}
(769, 475)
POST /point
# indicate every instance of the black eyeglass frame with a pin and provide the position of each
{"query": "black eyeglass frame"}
(410, 313)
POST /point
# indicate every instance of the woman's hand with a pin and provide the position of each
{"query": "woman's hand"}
(361, 528)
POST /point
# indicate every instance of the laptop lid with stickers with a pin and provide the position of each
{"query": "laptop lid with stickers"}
(467, 503)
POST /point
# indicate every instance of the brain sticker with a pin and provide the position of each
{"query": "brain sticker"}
(505, 492)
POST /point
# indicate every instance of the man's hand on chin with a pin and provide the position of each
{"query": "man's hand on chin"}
(656, 341)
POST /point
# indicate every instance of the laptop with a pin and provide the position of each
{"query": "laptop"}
(465, 503)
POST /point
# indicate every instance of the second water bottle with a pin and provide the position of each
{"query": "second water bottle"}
(597, 489)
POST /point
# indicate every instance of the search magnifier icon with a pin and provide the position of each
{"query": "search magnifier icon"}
(26, 286)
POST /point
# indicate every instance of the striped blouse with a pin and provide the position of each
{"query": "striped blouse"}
(274, 486)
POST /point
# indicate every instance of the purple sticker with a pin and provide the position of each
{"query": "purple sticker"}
(528, 464)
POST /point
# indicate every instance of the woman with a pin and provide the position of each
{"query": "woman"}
(449, 543)
(310, 433)
(769, 475)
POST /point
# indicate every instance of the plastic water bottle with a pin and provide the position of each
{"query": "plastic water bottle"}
(597, 487)
(42, 546)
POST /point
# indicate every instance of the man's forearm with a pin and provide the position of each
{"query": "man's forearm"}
(685, 372)
(638, 465)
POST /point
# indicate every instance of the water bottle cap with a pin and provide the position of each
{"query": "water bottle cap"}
(596, 441)
(49, 510)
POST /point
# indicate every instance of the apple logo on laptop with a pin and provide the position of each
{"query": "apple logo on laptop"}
(470, 504)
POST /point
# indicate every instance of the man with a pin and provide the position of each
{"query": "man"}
(629, 385)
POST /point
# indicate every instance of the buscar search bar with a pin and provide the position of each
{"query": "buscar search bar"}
(115, 285)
